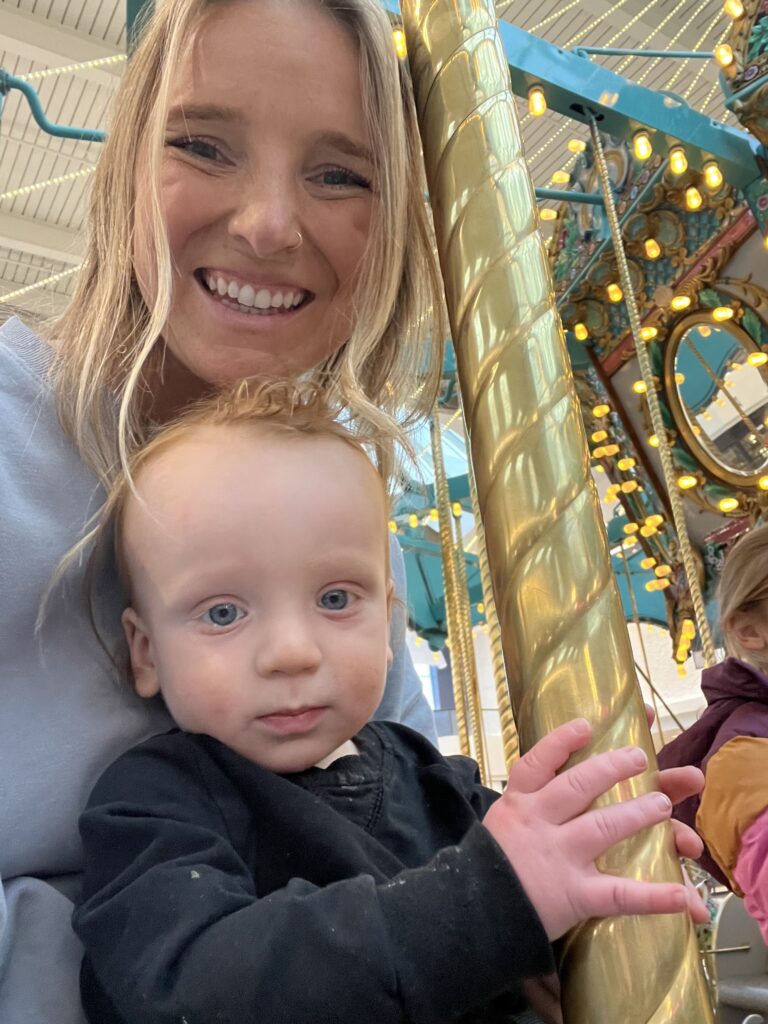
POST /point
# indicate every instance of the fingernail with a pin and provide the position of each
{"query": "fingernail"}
(664, 803)
(638, 758)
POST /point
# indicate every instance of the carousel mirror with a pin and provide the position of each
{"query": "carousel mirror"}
(716, 383)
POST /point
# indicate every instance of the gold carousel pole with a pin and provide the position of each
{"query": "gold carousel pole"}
(443, 503)
(509, 742)
(565, 640)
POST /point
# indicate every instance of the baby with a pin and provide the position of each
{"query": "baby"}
(280, 857)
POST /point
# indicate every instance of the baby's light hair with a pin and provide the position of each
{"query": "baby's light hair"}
(278, 407)
(743, 587)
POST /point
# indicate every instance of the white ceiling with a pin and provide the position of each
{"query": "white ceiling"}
(40, 233)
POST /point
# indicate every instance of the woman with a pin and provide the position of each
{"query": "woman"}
(255, 210)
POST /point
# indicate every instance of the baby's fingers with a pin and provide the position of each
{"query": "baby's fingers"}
(607, 896)
(572, 792)
(595, 832)
(542, 762)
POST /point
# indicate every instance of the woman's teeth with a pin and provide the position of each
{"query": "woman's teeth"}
(248, 297)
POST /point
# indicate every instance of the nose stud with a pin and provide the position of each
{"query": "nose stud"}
(297, 244)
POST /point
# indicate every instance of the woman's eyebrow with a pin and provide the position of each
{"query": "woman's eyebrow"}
(337, 140)
(204, 112)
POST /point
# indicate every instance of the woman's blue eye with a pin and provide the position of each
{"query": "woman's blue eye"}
(195, 147)
(222, 614)
(339, 177)
(335, 600)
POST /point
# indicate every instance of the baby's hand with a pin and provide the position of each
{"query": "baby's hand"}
(543, 826)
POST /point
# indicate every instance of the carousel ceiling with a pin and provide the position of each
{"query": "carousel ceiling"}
(41, 230)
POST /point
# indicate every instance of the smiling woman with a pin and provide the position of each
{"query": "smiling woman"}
(255, 211)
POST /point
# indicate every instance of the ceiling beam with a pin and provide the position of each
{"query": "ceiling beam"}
(42, 42)
(27, 235)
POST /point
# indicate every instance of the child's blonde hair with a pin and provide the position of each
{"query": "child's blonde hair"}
(743, 587)
(108, 340)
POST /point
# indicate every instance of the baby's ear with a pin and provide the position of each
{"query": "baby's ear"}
(746, 630)
(142, 659)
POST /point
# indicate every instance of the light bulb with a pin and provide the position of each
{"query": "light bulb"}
(721, 313)
(433, 514)
(547, 213)
(688, 629)
(413, 520)
(648, 531)
(757, 359)
(641, 145)
(561, 178)
(601, 410)
(762, 483)
(654, 520)
(581, 332)
(626, 463)
(639, 387)
(652, 585)
(734, 7)
(662, 584)
(705, 331)
(648, 333)
(724, 55)
(612, 449)
(727, 504)
(678, 161)
(663, 570)
(630, 528)
(398, 38)
(393, 525)
(628, 486)
(686, 482)
(615, 294)
(456, 509)
(653, 441)
(598, 453)
(576, 146)
(599, 435)
(713, 176)
(693, 199)
(537, 101)
(480, 607)
(679, 378)
(648, 563)
(652, 249)
(680, 302)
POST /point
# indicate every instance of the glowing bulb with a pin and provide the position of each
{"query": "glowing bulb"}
(721, 313)
(639, 387)
(601, 410)
(653, 441)
(762, 483)
(480, 607)
(648, 563)
(652, 585)
(679, 378)
(433, 514)
(727, 504)
(641, 145)
(599, 469)
(680, 302)
(713, 176)
(576, 146)
(630, 528)
(561, 178)
(652, 249)
(693, 199)
(678, 161)
(724, 55)
(628, 486)
(681, 671)
(398, 38)
(611, 449)
(599, 435)
(627, 463)
(663, 570)
(654, 520)
(599, 453)
(648, 333)
(688, 629)
(662, 584)
(686, 482)
(734, 7)
(393, 525)
(757, 358)
(765, 242)
(456, 509)
(413, 520)
(705, 331)
(537, 101)
(648, 531)
(615, 294)
(548, 213)
(581, 332)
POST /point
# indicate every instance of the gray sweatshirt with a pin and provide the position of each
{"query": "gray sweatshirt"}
(64, 714)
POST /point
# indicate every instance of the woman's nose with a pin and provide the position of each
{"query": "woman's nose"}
(267, 217)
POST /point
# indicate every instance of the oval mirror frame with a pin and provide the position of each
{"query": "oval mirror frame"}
(714, 468)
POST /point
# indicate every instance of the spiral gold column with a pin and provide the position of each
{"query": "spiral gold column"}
(450, 587)
(565, 641)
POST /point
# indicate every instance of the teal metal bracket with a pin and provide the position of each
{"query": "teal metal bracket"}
(60, 131)
(558, 195)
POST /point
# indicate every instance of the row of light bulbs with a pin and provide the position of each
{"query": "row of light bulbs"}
(678, 302)
(431, 517)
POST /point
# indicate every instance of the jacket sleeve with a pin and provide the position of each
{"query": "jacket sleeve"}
(751, 871)
(174, 929)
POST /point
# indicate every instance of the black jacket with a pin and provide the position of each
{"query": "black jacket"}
(216, 892)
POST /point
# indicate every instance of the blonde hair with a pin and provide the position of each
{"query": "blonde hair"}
(108, 341)
(743, 586)
(278, 407)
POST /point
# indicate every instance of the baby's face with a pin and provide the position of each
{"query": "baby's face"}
(261, 591)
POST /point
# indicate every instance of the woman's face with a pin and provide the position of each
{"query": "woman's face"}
(267, 192)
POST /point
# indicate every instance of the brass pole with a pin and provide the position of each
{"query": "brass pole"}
(565, 640)
(443, 503)
(468, 652)
(509, 741)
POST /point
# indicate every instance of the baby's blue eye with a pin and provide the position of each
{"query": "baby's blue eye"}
(335, 600)
(221, 614)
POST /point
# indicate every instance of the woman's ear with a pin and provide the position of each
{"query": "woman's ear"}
(748, 630)
(142, 660)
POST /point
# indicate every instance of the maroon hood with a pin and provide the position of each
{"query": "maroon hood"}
(737, 705)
